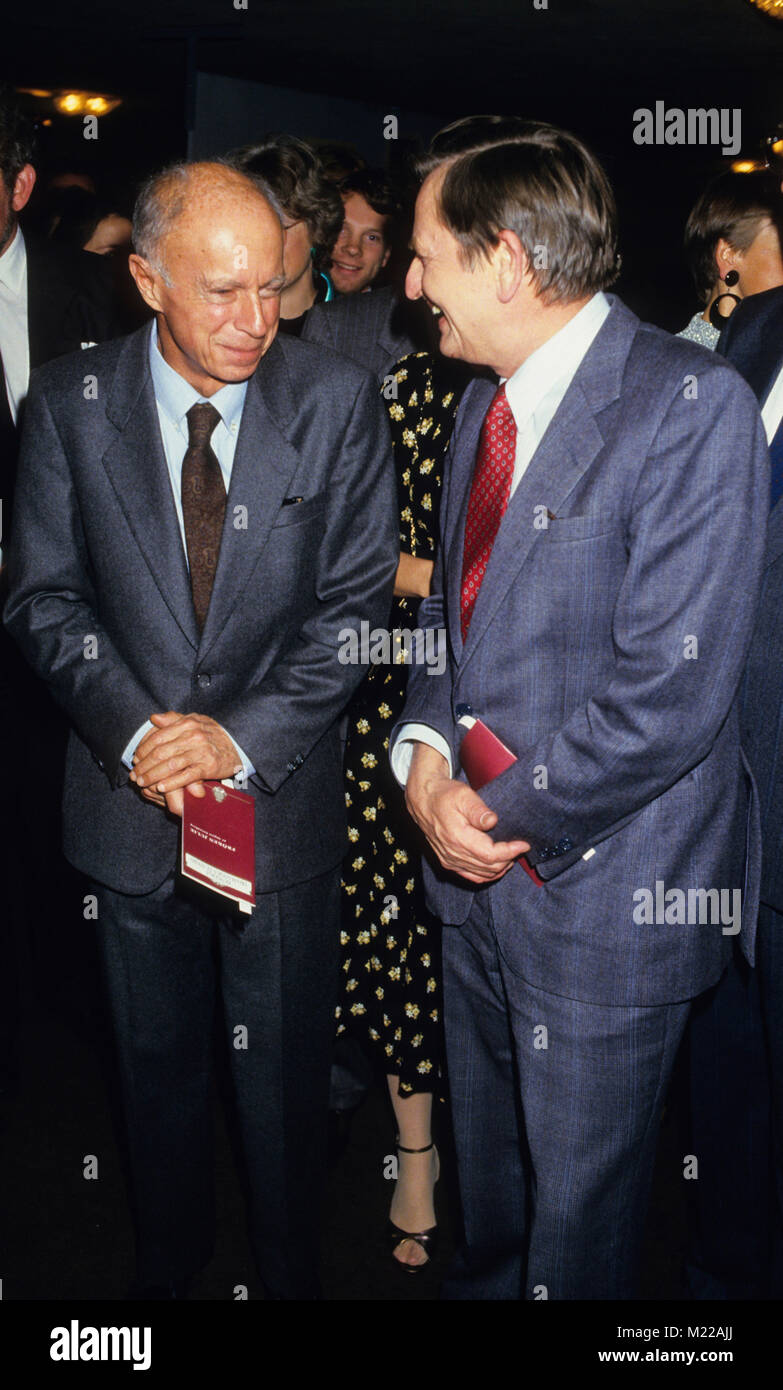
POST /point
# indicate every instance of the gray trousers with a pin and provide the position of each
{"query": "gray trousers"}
(165, 958)
(557, 1106)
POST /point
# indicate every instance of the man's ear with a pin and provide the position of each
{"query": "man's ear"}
(147, 281)
(24, 183)
(386, 256)
(511, 264)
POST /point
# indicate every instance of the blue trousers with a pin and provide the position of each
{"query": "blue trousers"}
(557, 1106)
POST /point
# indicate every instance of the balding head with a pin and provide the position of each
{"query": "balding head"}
(182, 190)
(209, 262)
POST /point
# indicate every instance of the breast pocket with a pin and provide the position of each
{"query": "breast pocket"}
(296, 513)
(579, 528)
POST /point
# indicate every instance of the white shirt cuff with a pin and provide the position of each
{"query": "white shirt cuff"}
(402, 752)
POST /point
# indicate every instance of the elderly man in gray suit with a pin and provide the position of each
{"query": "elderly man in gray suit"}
(602, 540)
(203, 508)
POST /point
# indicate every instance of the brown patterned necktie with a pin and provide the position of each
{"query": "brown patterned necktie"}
(203, 505)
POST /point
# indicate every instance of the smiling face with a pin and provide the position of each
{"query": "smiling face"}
(462, 296)
(360, 251)
(224, 260)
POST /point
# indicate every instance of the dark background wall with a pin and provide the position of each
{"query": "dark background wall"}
(204, 75)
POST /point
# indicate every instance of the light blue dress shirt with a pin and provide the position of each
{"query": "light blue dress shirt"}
(174, 396)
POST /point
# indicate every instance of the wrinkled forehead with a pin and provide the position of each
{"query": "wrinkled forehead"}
(246, 228)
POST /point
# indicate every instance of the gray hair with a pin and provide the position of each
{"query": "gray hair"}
(162, 199)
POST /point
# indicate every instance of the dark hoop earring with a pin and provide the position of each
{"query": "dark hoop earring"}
(731, 277)
(716, 318)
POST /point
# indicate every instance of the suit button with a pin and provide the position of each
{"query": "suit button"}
(203, 680)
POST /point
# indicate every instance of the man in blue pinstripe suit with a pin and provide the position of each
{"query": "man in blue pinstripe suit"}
(602, 534)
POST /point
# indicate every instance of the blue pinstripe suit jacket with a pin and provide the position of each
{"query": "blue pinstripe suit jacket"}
(606, 649)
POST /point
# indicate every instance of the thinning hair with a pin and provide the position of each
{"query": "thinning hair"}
(509, 173)
(163, 197)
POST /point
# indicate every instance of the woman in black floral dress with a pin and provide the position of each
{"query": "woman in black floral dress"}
(391, 984)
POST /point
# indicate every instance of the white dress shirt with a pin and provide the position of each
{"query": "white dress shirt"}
(772, 414)
(14, 342)
(174, 396)
(534, 393)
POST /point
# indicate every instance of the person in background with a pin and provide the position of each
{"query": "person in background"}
(390, 993)
(374, 329)
(371, 212)
(339, 160)
(87, 222)
(733, 248)
(735, 1248)
(312, 218)
(53, 300)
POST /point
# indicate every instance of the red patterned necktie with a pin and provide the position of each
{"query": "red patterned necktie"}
(489, 494)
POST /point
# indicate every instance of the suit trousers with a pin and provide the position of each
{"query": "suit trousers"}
(165, 959)
(557, 1106)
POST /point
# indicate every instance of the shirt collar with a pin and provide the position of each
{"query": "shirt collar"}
(175, 395)
(552, 366)
(13, 264)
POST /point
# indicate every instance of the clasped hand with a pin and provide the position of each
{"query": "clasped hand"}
(456, 821)
(183, 750)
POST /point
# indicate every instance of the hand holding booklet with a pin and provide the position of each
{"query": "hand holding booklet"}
(484, 756)
(218, 842)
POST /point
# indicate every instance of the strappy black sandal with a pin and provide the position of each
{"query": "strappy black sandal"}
(428, 1240)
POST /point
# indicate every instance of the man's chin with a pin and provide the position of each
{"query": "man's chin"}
(352, 284)
(238, 366)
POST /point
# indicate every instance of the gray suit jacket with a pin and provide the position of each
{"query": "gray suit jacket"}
(370, 329)
(638, 527)
(97, 553)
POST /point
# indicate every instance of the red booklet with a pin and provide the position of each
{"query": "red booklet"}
(484, 756)
(218, 842)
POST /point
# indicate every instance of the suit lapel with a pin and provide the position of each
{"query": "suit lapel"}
(567, 449)
(774, 533)
(136, 465)
(475, 406)
(264, 464)
(753, 341)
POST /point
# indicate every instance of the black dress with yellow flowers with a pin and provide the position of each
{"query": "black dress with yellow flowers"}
(390, 990)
